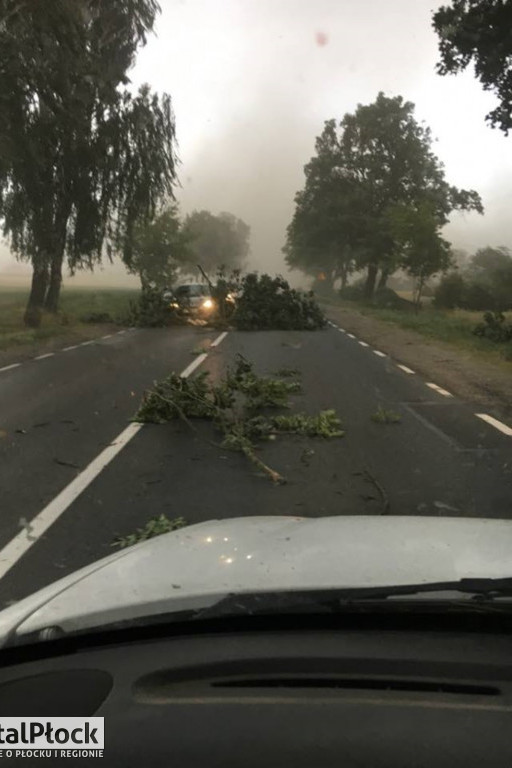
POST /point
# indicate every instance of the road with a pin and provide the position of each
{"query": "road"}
(70, 485)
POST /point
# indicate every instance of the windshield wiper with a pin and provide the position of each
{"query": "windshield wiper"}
(471, 590)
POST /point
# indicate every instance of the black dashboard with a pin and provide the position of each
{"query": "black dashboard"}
(345, 694)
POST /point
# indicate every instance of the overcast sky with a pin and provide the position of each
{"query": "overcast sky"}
(252, 82)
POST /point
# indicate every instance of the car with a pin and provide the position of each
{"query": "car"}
(194, 299)
(280, 640)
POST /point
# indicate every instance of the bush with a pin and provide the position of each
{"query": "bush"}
(388, 298)
(495, 328)
(268, 303)
(450, 291)
(353, 292)
(477, 297)
(96, 317)
(151, 310)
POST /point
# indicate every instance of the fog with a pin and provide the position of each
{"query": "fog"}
(252, 82)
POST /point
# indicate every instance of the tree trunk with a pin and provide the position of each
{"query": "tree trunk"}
(58, 247)
(51, 303)
(35, 303)
(344, 275)
(383, 278)
(371, 279)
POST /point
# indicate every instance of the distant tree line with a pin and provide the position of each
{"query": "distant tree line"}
(169, 247)
(484, 283)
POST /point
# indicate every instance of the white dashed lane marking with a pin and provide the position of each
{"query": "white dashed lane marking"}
(364, 344)
(219, 339)
(379, 353)
(495, 423)
(405, 368)
(351, 335)
(43, 357)
(10, 367)
(68, 349)
(438, 389)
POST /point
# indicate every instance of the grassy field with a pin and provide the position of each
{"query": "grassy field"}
(452, 326)
(76, 304)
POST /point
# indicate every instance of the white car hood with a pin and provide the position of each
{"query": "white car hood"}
(197, 565)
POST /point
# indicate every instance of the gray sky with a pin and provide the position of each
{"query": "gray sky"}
(252, 82)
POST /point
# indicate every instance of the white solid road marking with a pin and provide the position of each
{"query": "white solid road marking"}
(87, 343)
(43, 357)
(405, 368)
(120, 332)
(10, 367)
(22, 542)
(351, 335)
(380, 354)
(364, 344)
(68, 349)
(107, 336)
(438, 389)
(495, 423)
(219, 339)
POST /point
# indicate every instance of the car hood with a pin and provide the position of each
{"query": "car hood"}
(196, 566)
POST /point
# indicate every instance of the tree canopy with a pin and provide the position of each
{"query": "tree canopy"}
(371, 174)
(159, 249)
(82, 158)
(478, 32)
(217, 241)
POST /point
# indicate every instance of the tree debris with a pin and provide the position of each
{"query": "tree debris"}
(236, 406)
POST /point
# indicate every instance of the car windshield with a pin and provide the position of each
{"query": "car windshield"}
(255, 303)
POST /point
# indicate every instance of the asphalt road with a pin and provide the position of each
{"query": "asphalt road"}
(58, 414)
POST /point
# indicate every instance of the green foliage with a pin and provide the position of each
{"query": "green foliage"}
(159, 249)
(477, 32)
(154, 527)
(353, 292)
(216, 241)
(268, 303)
(235, 406)
(82, 157)
(150, 310)
(96, 317)
(388, 298)
(384, 416)
(175, 398)
(450, 291)
(325, 424)
(485, 284)
(374, 164)
(495, 328)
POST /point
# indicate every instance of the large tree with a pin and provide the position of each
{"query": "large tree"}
(478, 32)
(159, 249)
(374, 160)
(421, 249)
(82, 158)
(217, 241)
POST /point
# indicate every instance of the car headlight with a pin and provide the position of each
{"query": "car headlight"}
(174, 305)
(207, 304)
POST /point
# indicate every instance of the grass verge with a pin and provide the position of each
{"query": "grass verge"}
(76, 304)
(454, 327)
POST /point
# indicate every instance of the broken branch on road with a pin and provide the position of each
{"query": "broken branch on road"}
(237, 408)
